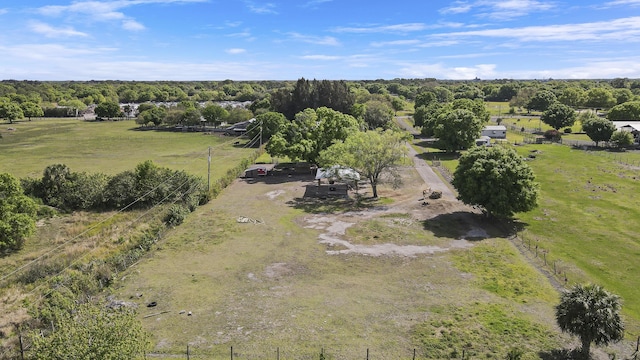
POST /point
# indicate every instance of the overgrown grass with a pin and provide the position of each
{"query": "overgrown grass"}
(259, 287)
(482, 330)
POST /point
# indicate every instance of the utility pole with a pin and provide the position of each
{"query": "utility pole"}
(209, 171)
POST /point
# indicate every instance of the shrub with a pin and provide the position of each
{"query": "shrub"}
(567, 130)
(552, 135)
(176, 215)
(435, 195)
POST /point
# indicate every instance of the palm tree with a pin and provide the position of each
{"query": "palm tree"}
(591, 313)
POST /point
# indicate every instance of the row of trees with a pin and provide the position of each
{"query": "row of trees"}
(456, 124)
(143, 187)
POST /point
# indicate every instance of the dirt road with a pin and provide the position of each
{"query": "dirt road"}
(429, 176)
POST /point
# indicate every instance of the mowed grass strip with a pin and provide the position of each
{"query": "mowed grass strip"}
(110, 147)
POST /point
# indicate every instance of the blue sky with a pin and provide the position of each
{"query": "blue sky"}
(322, 39)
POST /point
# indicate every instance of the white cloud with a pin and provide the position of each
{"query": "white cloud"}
(317, 40)
(396, 43)
(320, 57)
(459, 7)
(132, 25)
(397, 28)
(315, 3)
(623, 3)
(625, 29)
(267, 8)
(498, 9)
(105, 10)
(4, 11)
(52, 32)
(235, 51)
(441, 71)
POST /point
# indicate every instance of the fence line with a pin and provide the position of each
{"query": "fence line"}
(237, 353)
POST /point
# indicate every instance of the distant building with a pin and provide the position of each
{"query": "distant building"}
(238, 128)
(495, 131)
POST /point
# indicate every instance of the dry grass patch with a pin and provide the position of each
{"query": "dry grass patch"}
(269, 284)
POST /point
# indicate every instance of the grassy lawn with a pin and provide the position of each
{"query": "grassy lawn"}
(585, 218)
(271, 284)
(109, 147)
(260, 287)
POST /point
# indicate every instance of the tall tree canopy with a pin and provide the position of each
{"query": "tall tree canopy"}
(108, 109)
(214, 114)
(597, 128)
(311, 132)
(541, 100)
(457, 129)
(377, 114)
(558, 116)
(592, 314)
(496, 178)
(17, 214)
(374, 154)
(314, 94)
(625, 111)
(599, 98)
(10, 111)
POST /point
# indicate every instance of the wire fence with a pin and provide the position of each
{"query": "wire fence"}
(282, 353)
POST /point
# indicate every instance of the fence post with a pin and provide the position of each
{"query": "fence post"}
(188, 352)
(367, 353)
(278, 353)
(414, 354)
(232, 353)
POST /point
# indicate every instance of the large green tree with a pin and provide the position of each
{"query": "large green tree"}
(311, 132)
(457, 129)
(592, 314)
(625, 112)
(541, 100)
(31, 109)
(10, 111)
(374, 154)
(599, 98)
(108, 109)
(378, 114)
(214, 114)
(597, 128)
(497, 179)
(266, 125)
(17, 214)
(558, 116)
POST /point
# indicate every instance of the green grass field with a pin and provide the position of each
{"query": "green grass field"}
(259, 287)
(584, 221)
(109, 147)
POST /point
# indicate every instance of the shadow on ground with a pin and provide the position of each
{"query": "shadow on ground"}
(464, 224)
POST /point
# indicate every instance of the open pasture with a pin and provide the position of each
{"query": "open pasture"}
(297, 280)
(27, 147)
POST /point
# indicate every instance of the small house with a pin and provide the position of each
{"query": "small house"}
(495, 131)
(483, 141)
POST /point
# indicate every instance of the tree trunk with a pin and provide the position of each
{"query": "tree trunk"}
(374, 188)
(586, 349)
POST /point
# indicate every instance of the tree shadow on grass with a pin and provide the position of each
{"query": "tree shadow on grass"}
(332, 204)
(471, 226)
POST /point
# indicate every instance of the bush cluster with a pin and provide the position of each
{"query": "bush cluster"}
(145, 186)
